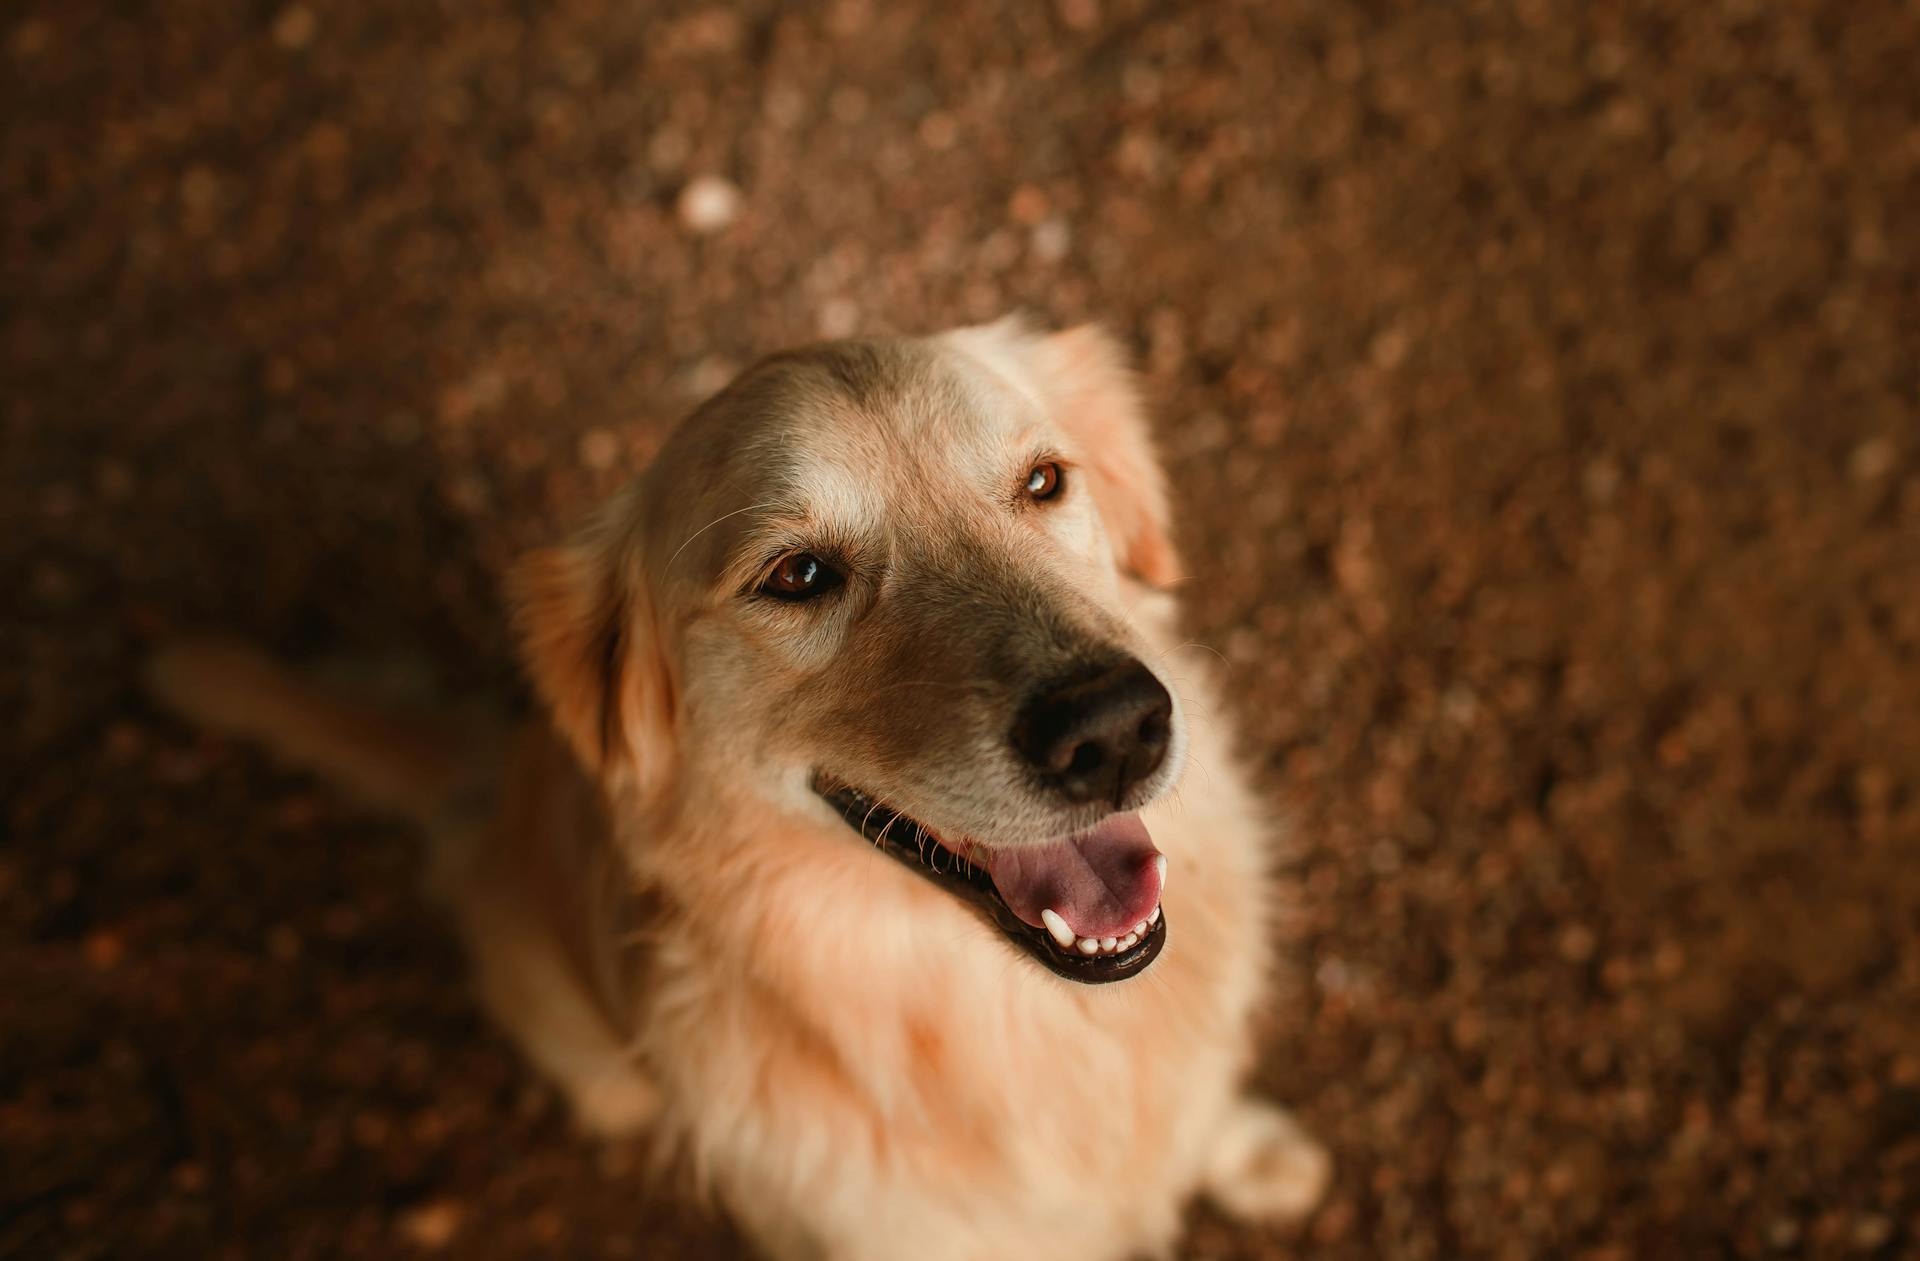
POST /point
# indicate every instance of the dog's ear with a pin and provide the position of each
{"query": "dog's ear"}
(592, 648)
(1095, 399)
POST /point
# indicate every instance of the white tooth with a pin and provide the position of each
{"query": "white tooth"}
(1140, 929)
(1128, 942)
(1087, 945)
(1058, 927)
(1107, 943)
(1153, 917)
(1160, 865)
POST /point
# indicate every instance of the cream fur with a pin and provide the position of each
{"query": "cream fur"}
(872, 1053)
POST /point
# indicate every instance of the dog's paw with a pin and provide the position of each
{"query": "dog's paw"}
(1264, 1167)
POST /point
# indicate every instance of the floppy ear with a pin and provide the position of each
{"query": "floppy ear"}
(1094, 398)
(591, 646)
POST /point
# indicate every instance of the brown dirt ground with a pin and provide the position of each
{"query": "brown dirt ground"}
(1539, 383)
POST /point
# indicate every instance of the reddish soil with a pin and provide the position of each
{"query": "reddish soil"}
(1541, 386)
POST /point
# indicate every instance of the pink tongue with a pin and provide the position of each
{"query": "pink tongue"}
(1101, 882)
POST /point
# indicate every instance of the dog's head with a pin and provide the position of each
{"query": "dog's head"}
(891, 580)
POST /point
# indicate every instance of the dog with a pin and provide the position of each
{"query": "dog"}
(886, 857)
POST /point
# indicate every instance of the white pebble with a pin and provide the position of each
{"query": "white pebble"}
(708, 204)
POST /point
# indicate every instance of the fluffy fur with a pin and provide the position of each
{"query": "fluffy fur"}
(690, 942)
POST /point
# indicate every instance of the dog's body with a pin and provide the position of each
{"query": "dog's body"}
(690, 938)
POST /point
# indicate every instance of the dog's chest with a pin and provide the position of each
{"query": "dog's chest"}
(970, 1079)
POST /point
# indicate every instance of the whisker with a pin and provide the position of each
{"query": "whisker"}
(708, 526)
(879, 840)
(1202, 767)
(1194, 643)
(868, 818)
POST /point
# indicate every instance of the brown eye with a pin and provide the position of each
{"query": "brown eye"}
(801, 576)
(1043, 483)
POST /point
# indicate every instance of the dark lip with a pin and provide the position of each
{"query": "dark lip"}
(907, 842)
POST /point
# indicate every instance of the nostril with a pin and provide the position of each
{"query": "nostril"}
(1095, 736)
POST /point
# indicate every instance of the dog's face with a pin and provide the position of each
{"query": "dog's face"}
(891, 577)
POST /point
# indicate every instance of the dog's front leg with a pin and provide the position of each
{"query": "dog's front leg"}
(1264, 1167)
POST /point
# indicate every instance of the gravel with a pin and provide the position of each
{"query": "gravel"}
(1539, 384)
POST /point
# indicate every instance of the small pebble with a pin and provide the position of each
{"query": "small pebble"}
(1873, 460)
(708, 204)
(432, 1226)
(294, 27)
(1051, 240)
(599, 448)
(839, 317)
(1871, 1232)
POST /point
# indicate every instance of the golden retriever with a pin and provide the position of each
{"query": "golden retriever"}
(891, 865)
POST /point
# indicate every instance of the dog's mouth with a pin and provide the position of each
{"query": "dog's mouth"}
(1088, 907)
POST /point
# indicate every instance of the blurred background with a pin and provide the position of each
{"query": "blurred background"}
(1540, 386)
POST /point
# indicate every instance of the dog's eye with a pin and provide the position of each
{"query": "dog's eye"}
(801, 576)
(1043, 483)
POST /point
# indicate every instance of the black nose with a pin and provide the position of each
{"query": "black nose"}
(1095, 738)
